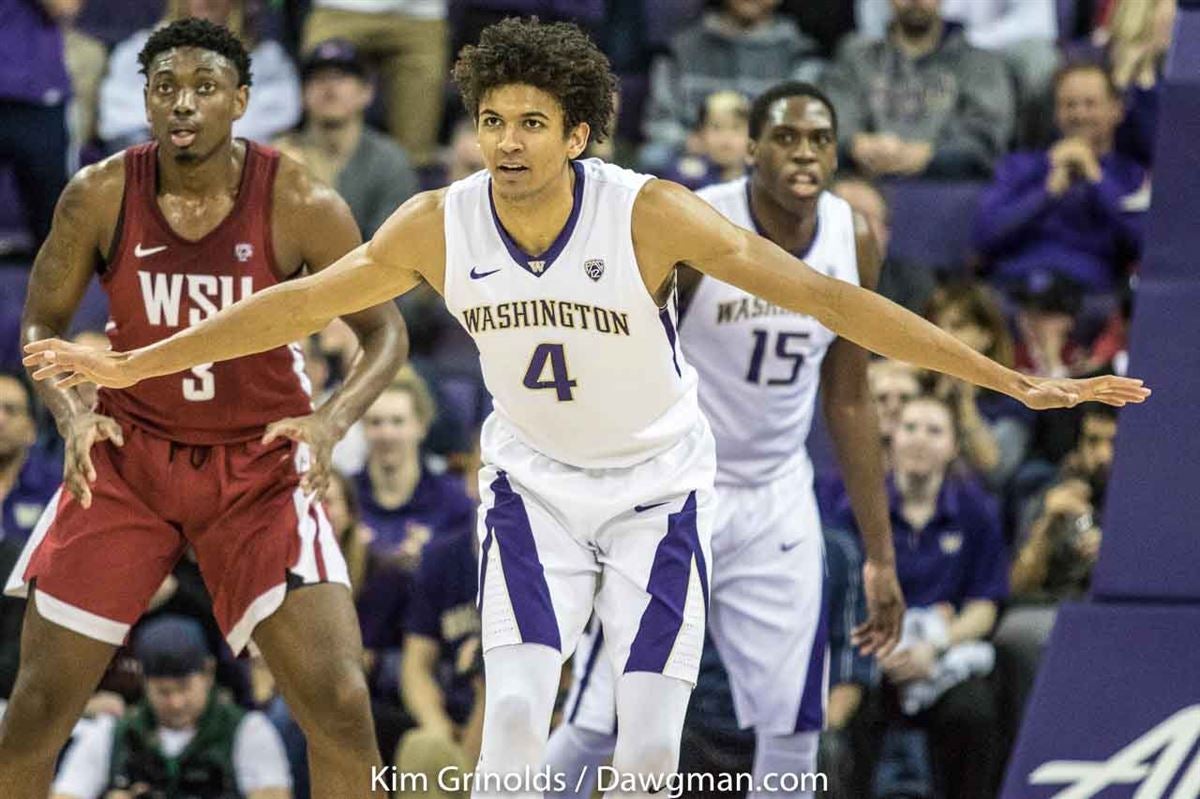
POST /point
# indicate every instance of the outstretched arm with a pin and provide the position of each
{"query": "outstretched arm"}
(409, 244)
(672, 225)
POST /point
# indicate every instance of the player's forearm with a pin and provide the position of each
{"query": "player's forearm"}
(271, 318)
(384, 348)
(874, 323)
(854, 428)
(64, 404)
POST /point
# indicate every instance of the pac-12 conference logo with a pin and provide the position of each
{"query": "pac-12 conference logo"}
(1151, 762)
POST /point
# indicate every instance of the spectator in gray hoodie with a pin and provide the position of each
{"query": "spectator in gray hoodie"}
(739, 45)
(922, 101)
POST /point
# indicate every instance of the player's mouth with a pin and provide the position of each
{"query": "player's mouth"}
(804, 182)
(512, 169)
(183, 136)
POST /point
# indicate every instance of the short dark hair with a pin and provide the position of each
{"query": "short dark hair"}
(193, 32)
(557, 58)
(792, 88)
(1072, 67)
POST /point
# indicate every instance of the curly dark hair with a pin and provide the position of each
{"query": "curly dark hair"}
(193, 32)
(557, 58)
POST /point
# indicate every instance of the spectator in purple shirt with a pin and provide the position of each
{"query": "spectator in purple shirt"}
(403, 499)
(442, 685)
(28, 476)
(1066, 210)
(34, 90)
(950, 559)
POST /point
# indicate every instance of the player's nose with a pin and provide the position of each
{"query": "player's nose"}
(185, 102)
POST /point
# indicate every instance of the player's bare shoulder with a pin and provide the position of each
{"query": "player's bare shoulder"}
(311, 223)
(298, 192)
(86, 216)
(414, 237)
(92, 199)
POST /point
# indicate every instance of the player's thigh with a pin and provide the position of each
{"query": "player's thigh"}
(313, 648)
(266, 537)
(536, 581)
(59, 670)
(767, 613)
(654, 585)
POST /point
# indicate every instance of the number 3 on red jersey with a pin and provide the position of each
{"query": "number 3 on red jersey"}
(200, 386)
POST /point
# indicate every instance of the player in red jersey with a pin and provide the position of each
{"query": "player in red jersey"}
(228, 458)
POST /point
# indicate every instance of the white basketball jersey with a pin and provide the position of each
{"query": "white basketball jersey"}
(760, 364)
(581, 364)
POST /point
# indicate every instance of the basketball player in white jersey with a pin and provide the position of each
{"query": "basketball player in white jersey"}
(759, 367)
(597, 484)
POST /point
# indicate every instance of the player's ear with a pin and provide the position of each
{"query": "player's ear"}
(241, 99)
(577, 139)
(146, 104)
(751, 150)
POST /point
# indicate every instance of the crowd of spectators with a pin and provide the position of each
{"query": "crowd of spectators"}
(1047, 108)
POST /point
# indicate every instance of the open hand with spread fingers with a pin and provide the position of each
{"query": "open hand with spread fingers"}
(69, 364)
(1045, 392)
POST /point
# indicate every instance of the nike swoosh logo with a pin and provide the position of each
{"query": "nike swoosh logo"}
(476, 274)
(141, 252)
(789, 546)
(644, 508)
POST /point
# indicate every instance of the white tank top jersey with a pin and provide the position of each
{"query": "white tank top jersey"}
(581, 363)
(760, 364)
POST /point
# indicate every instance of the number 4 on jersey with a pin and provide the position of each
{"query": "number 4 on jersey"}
(559, 380)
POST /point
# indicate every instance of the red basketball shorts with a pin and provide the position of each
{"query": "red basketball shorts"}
(238, 506)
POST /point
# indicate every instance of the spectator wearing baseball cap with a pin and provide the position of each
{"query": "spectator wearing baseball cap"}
(408, 41)
(367, 168)
(183, 738)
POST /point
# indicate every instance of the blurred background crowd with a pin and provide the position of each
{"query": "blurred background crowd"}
(1001, 151)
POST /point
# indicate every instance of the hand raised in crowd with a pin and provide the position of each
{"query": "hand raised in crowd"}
(1068, 498)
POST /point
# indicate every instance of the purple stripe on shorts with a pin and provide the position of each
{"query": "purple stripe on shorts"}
(668, 324)
(593, 656)
(668, 587)
(483, 561)
(811, 716)
(524, 577)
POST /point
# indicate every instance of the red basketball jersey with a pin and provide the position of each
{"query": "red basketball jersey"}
(159, 283)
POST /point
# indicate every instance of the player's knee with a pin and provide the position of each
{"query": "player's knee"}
(657, 757)
(512, 716)
(36, 713)
(341, 702)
